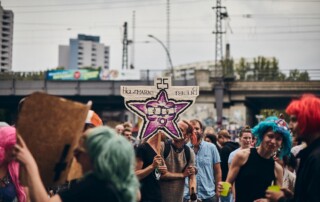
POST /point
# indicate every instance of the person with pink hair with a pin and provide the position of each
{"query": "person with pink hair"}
(10, 188)
(304, 124)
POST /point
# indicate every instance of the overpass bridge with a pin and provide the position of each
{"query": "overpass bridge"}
(241, 102)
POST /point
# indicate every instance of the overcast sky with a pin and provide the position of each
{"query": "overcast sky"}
(286, 29)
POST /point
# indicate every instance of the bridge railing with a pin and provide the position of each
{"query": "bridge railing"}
(144, 75)
(16, 84)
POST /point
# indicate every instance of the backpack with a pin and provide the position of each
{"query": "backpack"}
(167, 148)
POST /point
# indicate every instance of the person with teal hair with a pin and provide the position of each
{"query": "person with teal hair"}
(108, 160)
(254, 169)
(278, 126)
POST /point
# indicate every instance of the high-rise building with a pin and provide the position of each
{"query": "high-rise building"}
(6, 36)
(85, 51)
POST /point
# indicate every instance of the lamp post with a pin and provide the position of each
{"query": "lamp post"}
(167, 52)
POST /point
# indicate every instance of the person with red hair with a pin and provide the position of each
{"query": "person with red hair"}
(305, 125)
(10, 188)
(207, 164)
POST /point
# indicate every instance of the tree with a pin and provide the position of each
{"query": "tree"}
(296, 75)
(242, 68)
(261, 69)
(227, 66)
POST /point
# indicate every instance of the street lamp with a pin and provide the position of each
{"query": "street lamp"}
(167, 51)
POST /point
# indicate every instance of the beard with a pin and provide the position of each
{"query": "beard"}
(199, 136)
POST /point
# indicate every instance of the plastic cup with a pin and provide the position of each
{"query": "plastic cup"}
(275, 188)
(226, 187)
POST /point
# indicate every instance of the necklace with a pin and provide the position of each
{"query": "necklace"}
(4, 181)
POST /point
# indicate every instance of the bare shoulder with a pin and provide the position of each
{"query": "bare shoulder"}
(278, 167)
(243, 153)
(55, 198)
(242, 156)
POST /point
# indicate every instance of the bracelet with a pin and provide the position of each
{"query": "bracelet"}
(196, 170)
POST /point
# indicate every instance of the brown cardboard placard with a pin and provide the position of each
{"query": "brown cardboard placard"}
(51, 127)
(75, 171)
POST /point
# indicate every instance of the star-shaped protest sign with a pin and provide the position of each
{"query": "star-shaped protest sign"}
(159, 113)
(159, 106)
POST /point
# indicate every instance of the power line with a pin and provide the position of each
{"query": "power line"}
(148, 4)
(281, 32)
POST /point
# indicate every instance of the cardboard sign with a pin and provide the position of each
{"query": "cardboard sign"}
(51, 127)
(159, 106)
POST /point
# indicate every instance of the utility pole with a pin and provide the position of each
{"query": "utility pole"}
(133, 39)
(218, 71)
(168, 33)
(125, 43)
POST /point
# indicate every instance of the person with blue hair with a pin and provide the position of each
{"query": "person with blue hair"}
(109, 161)
(254, 169)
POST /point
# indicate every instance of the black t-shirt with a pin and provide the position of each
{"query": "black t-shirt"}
(150, 188)
(90, 189)
(224, 156)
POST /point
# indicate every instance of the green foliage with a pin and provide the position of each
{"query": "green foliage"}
(60, 68)
(227, 66)
(23, 75)
(266, 69)
(242, 68)
(272, 112)
(296, 75)
(91, 68)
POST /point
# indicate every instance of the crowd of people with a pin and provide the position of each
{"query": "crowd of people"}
(196, 167)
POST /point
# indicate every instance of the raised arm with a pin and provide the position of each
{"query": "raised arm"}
(36, 188)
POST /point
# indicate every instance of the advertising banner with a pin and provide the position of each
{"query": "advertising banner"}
(86, 75)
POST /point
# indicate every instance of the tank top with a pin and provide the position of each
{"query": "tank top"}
(7, 190)
(254, 177)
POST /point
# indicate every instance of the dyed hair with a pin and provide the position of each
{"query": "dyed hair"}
(307, 111)
(7, 141)
(113, 161)
(278, 126)
(190, 128)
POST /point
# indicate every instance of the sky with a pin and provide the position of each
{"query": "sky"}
(288, 30)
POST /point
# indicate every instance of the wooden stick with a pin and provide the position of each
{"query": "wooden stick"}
(159, 142)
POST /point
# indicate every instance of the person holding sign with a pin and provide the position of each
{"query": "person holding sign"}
(111, 177)
(254, 169)
(148, 163)
(159, 108)
(180, 162)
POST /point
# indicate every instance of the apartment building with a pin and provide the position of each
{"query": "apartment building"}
(6, 38)
(85, 51)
